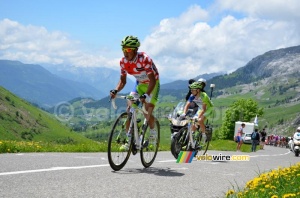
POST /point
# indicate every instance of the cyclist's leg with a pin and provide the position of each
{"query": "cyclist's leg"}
(142, 88)
(201, 123)
(201, 120)
(208, 113)
(135, 94)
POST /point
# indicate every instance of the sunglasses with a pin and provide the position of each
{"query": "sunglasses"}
(128, 49)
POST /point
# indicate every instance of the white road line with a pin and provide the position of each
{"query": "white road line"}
(273, 155)
(51, 169)
(95, 166)
(164, 161)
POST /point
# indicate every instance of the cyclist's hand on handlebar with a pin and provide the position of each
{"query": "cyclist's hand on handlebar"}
(113, 93)
(146, 97)
(182, 116)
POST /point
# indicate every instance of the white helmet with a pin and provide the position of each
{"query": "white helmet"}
(202, 81)
(298, 129)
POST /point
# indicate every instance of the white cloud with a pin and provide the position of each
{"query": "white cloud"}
(191, 47)
(222, 38)
(32, 44)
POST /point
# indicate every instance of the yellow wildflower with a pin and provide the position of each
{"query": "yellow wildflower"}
(267, 186)
(289, 195)
(230, 192)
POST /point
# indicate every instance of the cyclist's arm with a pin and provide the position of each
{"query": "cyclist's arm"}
(152, 83)
(121, 83)
(188, 95)
(186, 107)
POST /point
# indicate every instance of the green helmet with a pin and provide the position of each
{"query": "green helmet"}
(196, 85)
(130, 41)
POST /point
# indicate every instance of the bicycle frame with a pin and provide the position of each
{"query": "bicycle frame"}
(133, 121)
(133, 124)
(192, 142)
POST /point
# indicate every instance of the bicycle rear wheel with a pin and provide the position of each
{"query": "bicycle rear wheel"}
(203, 143)
(149, 148)
(118, 151)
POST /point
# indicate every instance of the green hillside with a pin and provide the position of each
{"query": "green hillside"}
(20, 121)
(280, 100)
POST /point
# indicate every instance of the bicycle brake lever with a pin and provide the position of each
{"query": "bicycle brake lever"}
(113, 102)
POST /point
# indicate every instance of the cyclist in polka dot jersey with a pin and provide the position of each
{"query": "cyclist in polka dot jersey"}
(142, 67)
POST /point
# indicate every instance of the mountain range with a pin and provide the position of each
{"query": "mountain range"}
(45, 86)
(275, 63)
(271, 73)
(37, 85)
(102, 78)
(48, 85)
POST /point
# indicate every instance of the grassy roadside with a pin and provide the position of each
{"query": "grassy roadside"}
(8, 146)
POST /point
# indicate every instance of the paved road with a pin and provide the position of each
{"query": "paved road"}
(89, 175)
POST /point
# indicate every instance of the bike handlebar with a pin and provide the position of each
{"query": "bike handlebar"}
(130, 99)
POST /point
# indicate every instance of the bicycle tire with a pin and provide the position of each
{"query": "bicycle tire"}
(118, 157)
(149, 151)
(203, 143)
(179, 141)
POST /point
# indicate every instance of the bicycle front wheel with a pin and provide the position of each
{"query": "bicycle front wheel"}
(179, 141)
(119, 148)
(149, 145)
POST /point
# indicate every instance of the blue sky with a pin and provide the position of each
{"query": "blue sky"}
(184, 38)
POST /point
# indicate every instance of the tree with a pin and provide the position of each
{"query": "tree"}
(242, 110)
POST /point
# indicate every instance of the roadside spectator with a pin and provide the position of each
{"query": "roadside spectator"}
(189, 91)
(263, 138)
(276, 140)
(255, 140)
(239, 137)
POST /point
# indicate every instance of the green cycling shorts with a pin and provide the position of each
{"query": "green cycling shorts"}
(208, 113)
(142, 88)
